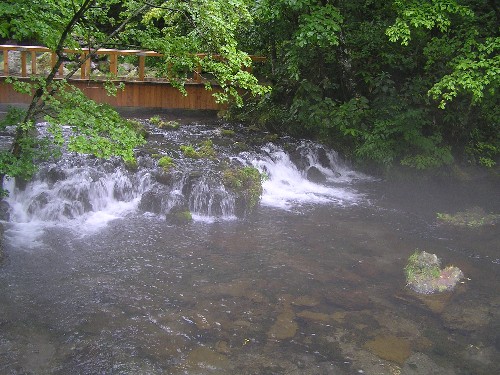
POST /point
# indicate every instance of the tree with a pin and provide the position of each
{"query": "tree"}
(341, 76)
(178, 29)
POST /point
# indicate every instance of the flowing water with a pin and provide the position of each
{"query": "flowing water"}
(97, 280)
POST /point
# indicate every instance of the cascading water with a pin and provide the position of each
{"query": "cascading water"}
(83, 192)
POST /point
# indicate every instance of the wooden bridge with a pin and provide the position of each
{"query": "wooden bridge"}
(143, 87)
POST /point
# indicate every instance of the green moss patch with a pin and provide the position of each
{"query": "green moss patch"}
(472, 218)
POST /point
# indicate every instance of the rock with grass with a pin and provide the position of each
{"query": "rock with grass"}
(424, 274)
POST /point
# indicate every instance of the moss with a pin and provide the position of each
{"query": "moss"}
(184, 216)
(158, 122)
(138, 127)
(155, 120)
(245, 182)
(166, 163)
(169, 125)
(189, 152)
(180, 216)
(424, 274)
(205, 150)
(472, 218)
(227, 132)
(131, 165)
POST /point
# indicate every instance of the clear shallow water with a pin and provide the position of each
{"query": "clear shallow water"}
(310, 287)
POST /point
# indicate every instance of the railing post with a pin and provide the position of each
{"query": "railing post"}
(33, 62)
(197, 74)
(23, 62)
(83, 70)
(6, 62)
(53, 58)
(113, 63)
(142, 65)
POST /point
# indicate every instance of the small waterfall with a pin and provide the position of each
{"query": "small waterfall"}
(307, 174)
(77, 191)
(86, 193)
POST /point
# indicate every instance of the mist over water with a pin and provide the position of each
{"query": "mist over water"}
(96, 280)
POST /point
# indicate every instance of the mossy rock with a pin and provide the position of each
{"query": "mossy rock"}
(472, 218)
(179, 216)
(246, 183)
(424, 274)
(166, 162)
(131, 165)
(227, 132)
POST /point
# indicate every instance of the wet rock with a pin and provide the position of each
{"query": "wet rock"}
(285, 326)
(40, 201)
(55, 174)
(4, 211)
(420, 364)
(222, 347)
(315, 175)
(204, 361)
(390, 348)
(307, 301)
(179, 216)
(154, 200)
(1, 242)
(314, 316)
(323, 158)
(201, 322)
(466, 318)
(349, 299)
(164, 178)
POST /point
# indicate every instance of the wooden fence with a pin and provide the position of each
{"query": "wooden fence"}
(144, 86)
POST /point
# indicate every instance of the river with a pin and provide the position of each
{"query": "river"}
(310, 282)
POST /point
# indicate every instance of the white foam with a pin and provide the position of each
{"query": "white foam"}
(286, 187)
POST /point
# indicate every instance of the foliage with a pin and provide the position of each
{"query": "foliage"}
(180, 30)
(246, 182)
(412, 83)
(190, 152)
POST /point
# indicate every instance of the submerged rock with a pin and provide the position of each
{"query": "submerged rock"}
(285, 326)
(420, 364)
(390, 348)
(424, 275)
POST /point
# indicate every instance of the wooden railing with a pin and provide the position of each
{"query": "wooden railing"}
(30, 64)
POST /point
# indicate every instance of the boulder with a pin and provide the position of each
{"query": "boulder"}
(315, 175)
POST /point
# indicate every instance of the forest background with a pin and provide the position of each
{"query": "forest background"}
(387, 83)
